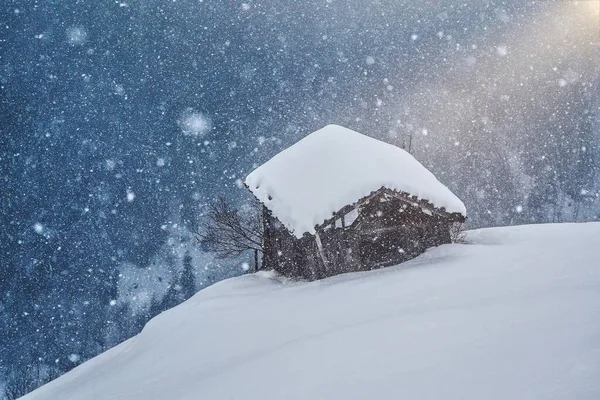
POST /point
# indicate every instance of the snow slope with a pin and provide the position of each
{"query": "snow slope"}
(515, 314)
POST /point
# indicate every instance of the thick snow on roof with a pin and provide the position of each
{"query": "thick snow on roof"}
(335, 166)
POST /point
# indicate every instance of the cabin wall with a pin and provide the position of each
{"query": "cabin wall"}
(340, 248)
(269, 261)
(287, 254)
(392, 231)
(386, 232)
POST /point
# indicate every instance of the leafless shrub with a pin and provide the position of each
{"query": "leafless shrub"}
(229, 233)
(457, 232)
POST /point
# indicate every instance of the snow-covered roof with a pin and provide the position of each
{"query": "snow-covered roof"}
(335, 166)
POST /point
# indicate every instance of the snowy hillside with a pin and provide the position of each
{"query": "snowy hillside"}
(514, 314)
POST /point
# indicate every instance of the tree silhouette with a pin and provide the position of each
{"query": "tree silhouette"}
(188, 281)
(229, 233)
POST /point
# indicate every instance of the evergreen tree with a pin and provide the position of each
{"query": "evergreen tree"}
(188, 280)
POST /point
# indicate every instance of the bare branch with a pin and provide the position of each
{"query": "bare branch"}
(457, 232)
(228, 232)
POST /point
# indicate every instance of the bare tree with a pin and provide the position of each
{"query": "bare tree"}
(229, 233)
(457, 232)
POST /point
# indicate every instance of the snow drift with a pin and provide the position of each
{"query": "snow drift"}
(514, 314)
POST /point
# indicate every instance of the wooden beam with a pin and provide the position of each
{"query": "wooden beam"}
(402, 196)
(418, 203)
(380, 230)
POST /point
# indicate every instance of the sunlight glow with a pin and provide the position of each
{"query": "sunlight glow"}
(502, 78)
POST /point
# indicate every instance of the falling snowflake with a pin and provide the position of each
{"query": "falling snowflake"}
(119, 89)
(76, 35)
(194, 123)
(38, 228)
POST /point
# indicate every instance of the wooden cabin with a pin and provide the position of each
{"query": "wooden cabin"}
(338, 201)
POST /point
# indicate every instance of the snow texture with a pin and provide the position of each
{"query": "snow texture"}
(512, 315)
(333, 167)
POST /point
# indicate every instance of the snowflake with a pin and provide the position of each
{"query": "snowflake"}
(193, 123)
(76, 35)
(38, 228)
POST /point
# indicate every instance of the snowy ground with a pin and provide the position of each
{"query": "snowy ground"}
(515, 314)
